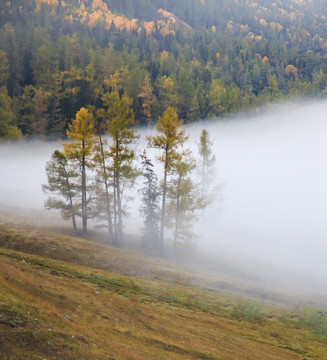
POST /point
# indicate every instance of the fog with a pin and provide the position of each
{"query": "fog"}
(270, 215)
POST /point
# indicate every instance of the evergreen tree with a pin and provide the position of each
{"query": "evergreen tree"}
(7, 129)
(62, 186)
(150, 209)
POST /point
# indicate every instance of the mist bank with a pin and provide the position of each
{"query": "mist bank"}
(273, 213)
(269, 218)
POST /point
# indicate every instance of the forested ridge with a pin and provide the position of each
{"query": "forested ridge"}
(203, 58)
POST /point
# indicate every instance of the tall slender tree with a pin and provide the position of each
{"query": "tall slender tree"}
(120, 118)
(150, 209)
(102, 163)
(169, 138)
(81, 134)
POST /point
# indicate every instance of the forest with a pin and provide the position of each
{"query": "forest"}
(204, 60)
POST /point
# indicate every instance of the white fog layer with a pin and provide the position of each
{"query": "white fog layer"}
(272, 209)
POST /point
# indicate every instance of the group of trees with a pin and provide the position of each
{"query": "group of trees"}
(204, 59)
(90, 177)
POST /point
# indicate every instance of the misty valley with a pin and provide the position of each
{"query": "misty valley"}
(260, 235)
(163, 179)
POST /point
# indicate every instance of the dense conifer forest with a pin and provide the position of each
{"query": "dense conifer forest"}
(204, 58)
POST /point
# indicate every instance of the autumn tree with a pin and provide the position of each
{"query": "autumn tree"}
(120, 118)
(81, 134)
(169, 138)
(147, 97)
(62, 186)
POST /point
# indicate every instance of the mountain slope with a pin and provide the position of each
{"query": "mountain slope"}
(57, 309)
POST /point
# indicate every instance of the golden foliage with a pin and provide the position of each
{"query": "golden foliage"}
(99, 4)
(276, 27)
(70, 18)
(171, 20)
(108, 21)
(244, 28)
(130, 25)
(291, 70)
(164, 55)
(85, 17)
(265, 60)
(164, 32)
(95, 17)
(165, 13)
(263, 22)
(258, 57)
(149, 27)
(119, 22)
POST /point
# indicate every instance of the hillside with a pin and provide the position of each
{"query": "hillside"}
(67, 298)
(206, 59)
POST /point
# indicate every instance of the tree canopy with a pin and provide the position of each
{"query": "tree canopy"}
(203, 58)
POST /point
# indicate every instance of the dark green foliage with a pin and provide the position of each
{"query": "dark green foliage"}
(62, 186)
(7, 129)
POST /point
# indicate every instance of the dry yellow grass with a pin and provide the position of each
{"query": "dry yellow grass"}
(65, 308)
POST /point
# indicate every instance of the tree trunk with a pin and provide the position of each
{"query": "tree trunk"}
(110, 227)
(120, 215)
(70, 201)
(120, 240)
(115, 240)
(84, 208)
(177, 217)
(163, 208)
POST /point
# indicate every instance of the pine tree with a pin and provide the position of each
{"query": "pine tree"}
(62, 185)
(170, 136)
(81, 134)
(150, 209)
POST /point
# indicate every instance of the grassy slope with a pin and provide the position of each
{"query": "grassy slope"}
(63, 298)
